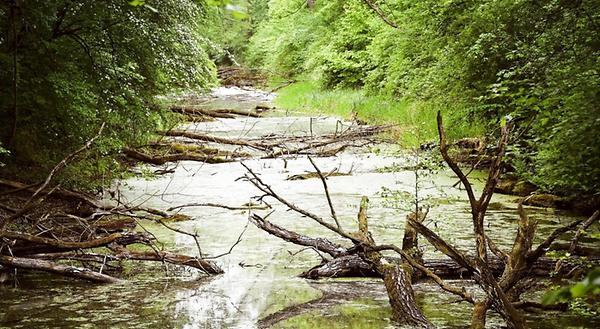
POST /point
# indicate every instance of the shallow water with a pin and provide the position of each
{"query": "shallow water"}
(261, 271)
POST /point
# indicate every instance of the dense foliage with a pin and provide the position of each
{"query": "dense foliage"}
(536, 61)
(67, 67)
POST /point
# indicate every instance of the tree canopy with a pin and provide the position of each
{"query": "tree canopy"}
(67, 67)
(536, 61)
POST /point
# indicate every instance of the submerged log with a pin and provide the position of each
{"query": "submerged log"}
(204, 265)
(52, 267)
(356, 265)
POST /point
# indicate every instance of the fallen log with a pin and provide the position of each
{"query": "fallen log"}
(356, 265)
(51, 267)
(201, 112)
(312, 174)
(215, 139)
(160, 160)
(320, 244)
(27, 244)
(204, 265)
(63, 194)
(342, 267)
(248, 206)
(239, 112)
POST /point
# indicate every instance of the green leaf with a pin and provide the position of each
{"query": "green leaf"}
(137, 3)
(239, 15)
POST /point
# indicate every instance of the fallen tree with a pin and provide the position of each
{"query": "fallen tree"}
(214, 113)
(42, 226)
(503, 277)
(275, 146)
(162, 159)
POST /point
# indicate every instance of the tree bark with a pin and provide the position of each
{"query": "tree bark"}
(51, 267)
(401, 295)
(160, 160)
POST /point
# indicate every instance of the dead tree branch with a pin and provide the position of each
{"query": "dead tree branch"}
(381, 14)
(324, 181)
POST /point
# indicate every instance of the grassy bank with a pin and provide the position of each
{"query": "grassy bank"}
(415, 120)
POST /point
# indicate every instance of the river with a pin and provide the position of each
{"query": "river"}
(261, 271)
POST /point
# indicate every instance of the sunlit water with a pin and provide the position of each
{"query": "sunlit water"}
(261, 271)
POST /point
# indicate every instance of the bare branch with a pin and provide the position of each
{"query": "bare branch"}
(442, 245)
(239, 239)
(381, 14)
(321, 244)
(63, 163)
(454, 166)
(256, 181)
(445, 286)
(582, 229)
(216, 205)
(545, 245)
(323, 180)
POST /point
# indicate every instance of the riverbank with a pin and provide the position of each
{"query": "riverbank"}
(414, 126)
(414, 120)
(260, 278)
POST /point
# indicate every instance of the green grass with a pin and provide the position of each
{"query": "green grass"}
(415, 120)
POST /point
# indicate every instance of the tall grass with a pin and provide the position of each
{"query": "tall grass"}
(415, 121)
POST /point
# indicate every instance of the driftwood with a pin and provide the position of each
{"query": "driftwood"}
(214, 139)
(214, 113)
(162, 159)
(243, 113)
(38, 241)
(206, 266)
(275, 146)
(198, 111)
(52, 267)
(355, 265)
(248, 206)
(502, 276)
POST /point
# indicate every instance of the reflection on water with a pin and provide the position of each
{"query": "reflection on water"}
(260, 273)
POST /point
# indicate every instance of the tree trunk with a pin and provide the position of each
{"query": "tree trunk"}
(51, 267)
(402, 297)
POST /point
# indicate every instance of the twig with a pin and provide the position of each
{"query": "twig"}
(582, 229)
(262, 186)
(63, 163)
(217, 205)
(324, 181)
(381, 14)
(239, 239)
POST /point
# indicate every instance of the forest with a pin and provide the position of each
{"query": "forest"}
(300, 163)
